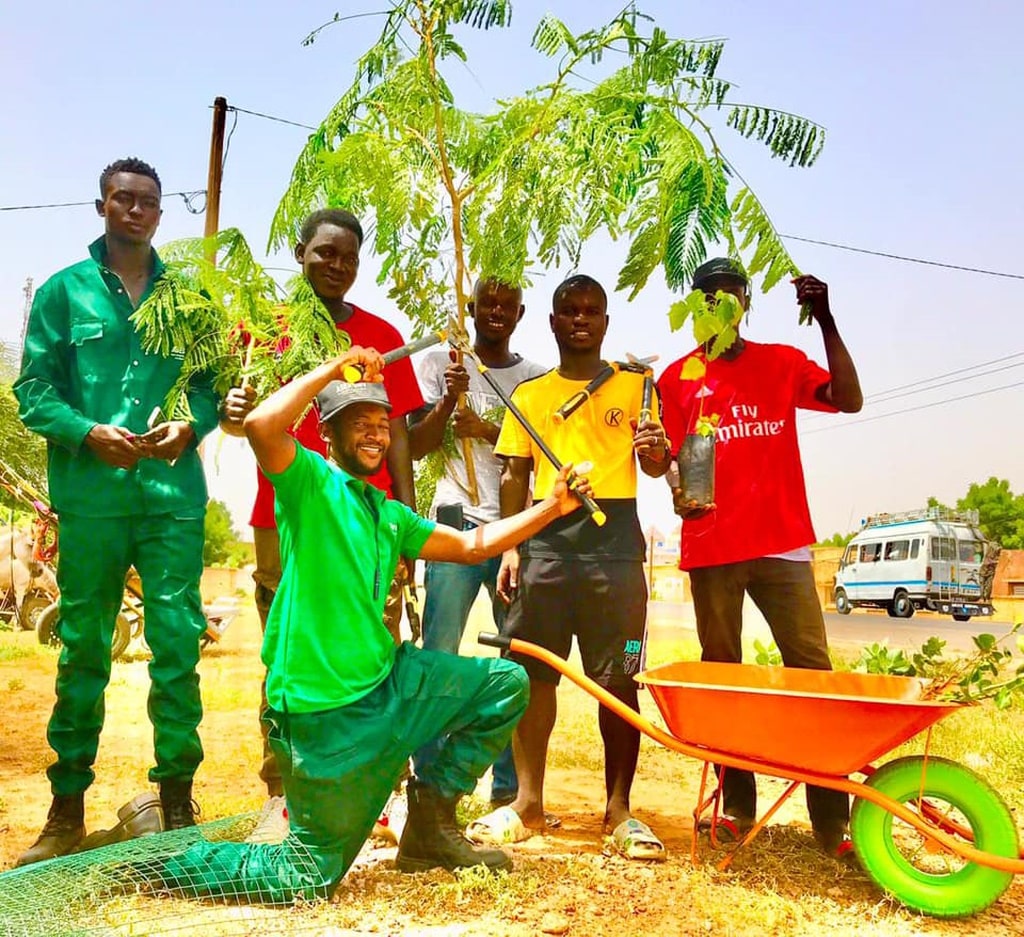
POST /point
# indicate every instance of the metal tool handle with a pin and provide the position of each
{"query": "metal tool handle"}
(596, 514)
(647, 399)
(573, 404)
(353, 373)
(577, 400)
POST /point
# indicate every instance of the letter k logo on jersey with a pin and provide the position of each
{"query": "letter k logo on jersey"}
(613, 417)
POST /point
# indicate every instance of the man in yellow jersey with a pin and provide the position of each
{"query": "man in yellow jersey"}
(575, 578)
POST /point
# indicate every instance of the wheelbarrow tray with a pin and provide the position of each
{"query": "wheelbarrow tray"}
(809, 720)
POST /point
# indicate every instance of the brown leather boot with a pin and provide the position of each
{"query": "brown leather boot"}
(432, 839)
(63, 831)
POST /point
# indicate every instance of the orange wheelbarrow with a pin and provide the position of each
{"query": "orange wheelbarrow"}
(928, 830)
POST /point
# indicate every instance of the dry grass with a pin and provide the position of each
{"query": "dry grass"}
(563, 881)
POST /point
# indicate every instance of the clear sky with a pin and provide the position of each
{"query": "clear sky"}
(921, 100)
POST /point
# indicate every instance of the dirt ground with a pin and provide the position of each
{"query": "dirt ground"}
(565, 881)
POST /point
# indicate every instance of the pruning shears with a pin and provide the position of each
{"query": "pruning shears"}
(647, 397)
(632, 364)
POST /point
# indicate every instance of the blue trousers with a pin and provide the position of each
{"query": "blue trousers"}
(451, 590)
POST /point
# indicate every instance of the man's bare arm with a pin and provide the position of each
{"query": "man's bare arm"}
(267, 426)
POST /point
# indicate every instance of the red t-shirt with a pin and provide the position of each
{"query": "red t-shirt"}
(370, 331)
(761, 504)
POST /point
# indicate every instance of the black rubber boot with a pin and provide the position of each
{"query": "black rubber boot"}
(431, 839)
(142, 816)
(179, 808)
(63, 831)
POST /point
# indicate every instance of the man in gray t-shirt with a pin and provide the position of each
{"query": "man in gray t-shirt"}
(452, 588)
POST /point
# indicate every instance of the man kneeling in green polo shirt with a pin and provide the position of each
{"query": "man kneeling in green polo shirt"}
(345, 707)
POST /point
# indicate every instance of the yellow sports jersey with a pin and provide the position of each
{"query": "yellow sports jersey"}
(599, 432)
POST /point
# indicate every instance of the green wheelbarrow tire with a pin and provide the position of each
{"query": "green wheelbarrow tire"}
(922, 876)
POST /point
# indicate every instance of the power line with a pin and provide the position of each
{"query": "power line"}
(923, 406)
(909, 260)
(188, 197)
(944, 384)
(884, 396)
(790, 237)
(278, 120)
(938, 377)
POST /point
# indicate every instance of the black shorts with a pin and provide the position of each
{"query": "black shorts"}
(603, 603)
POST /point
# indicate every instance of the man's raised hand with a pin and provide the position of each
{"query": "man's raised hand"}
(368, 360)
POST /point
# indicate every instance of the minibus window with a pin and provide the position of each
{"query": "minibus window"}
(897, 550)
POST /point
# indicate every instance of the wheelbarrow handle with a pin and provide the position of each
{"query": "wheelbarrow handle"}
(493, 640)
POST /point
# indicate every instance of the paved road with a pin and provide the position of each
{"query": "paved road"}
(848, 633)
(860, 628)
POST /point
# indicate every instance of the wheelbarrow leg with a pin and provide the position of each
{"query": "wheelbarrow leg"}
(698, 812)
(713, 801)
(759, 825)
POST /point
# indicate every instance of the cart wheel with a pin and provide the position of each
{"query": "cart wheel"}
(917, 871)
(47, 622)
(48, 630)
(33, 606)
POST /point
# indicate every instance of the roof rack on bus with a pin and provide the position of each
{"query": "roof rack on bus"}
(921, 514)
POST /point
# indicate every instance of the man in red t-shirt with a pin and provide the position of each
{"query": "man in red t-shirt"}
(755, 538)
(328, 251)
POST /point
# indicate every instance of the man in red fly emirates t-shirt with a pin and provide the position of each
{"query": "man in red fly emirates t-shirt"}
(328, 251)
(756, 536)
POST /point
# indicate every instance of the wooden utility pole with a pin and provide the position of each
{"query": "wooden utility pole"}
(213, 179)
(29, 293)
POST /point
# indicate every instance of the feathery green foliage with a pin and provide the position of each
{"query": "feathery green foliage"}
(624, 144)
(433, 466)
(229, 321)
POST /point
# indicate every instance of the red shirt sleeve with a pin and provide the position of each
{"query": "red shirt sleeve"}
(809, 379)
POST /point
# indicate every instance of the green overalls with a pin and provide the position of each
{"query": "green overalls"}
(346, 708)
(83, 365)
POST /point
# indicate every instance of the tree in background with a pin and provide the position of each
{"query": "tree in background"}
(1000, 512)
(20, 450)
(837, 540)
(630, 150)
(222, 547)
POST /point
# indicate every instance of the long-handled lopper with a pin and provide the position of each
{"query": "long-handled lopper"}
(354, 372)
(459, 340)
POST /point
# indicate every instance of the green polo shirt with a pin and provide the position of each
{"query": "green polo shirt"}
(82, 365)
(341, 539)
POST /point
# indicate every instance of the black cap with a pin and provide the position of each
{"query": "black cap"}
(338, 395)
(719, 267)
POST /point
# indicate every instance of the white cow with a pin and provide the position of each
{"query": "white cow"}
(19, 571)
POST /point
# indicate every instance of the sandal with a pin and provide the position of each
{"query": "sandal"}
(634, 839)
(498, 828)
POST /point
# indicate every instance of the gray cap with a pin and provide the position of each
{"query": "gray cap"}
(719, 267)
(338, 395)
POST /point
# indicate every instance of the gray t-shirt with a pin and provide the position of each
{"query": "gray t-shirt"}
(452, 487)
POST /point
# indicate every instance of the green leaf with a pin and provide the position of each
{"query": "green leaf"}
(678, 313)
(984, 642)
